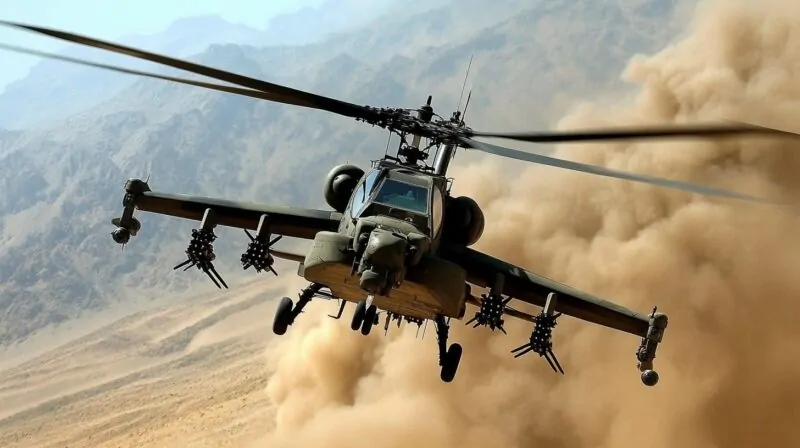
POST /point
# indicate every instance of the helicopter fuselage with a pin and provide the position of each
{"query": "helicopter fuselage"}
(385, 247)
(430, 287)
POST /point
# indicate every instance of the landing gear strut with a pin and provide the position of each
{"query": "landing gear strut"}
(448, 358)
(287, 312)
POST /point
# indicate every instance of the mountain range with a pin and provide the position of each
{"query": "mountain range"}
(88, 131)
(54, 90)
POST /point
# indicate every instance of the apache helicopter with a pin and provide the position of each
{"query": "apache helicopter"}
(396, 242)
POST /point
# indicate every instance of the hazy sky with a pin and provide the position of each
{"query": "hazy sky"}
(111, 19)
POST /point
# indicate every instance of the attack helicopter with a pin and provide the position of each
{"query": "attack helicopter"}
(396, 243)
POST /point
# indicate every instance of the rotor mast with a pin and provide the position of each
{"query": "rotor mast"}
(445, 151)
(443, 157)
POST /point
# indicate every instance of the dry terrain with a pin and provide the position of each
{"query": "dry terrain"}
(191, 374)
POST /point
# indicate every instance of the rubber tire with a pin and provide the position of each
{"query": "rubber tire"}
(358, 316)
(451, 360)
(370, 317)
(283, 314)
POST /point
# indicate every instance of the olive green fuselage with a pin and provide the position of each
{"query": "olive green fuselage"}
(385, 248)
(419, 288)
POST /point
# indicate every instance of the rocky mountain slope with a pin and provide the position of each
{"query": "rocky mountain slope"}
(61, 185)
(55, 90)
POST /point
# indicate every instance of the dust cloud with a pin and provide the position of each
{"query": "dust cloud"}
(726, 272)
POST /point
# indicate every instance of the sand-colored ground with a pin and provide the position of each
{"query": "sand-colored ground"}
(188, 375)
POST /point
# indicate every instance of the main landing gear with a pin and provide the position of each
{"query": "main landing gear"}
(449, 358)
(365, 317)
(287, 312)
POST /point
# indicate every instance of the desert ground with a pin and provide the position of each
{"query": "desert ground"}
(191, 374)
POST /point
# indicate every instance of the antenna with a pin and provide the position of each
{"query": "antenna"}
(463, 86)
(466, 106)
(388, 141)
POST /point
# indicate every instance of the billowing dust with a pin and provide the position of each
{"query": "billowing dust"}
(726, 272)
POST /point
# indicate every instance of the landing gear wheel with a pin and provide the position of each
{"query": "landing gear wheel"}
(358, 316)
(450, 362)
(283, 316)
(370, 319)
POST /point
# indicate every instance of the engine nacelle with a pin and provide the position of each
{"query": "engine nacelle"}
(339, 185)
(463, 221)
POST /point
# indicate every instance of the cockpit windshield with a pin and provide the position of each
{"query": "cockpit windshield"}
(402, 195)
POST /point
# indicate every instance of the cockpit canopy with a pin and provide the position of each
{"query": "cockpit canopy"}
(403, 195)
(394, 193)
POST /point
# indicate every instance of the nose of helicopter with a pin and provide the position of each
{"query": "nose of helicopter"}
(383, 261)
(385, 248)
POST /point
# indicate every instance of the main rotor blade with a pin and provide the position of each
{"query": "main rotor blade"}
(287, 95)
(676, 131)
(228, 89)
(601, 171)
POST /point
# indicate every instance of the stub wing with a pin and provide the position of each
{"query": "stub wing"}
(266, 220)
(292, 222)
(507, 282)
(528, 287)
(295, 222)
